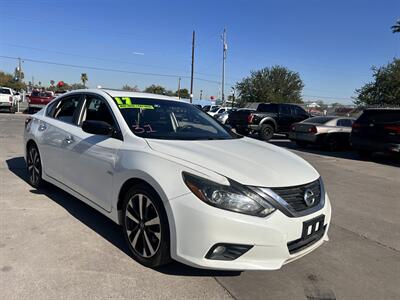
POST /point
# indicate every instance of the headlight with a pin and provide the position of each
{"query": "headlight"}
(234, 197)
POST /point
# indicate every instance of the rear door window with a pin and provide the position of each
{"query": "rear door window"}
(285, 109)
(344, 122)
(269, 108)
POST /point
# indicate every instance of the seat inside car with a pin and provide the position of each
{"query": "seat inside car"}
(157, 119)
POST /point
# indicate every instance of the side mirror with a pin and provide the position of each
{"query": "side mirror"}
(97, 127)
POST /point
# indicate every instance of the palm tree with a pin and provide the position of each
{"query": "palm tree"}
(84, 78)
(396, 27)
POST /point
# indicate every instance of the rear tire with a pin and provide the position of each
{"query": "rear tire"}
(364, 155)
(34, 166)
(266, 132)
(332, 144)
(145, 226)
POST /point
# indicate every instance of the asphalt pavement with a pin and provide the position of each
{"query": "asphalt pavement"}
(52, 246)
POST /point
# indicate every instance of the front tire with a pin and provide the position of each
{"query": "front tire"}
(266, 132)
(145, 226)
(34, 166)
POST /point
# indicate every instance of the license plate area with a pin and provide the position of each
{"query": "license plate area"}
(313, 226)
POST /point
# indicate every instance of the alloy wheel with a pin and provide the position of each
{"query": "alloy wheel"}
(34, 166)
(143, 225)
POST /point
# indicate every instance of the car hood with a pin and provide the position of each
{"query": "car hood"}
(244, 160)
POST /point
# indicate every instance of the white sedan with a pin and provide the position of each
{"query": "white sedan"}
(180, 185)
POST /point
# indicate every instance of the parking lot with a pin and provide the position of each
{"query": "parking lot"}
(53, 246)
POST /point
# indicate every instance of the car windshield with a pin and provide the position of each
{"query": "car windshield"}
(215, 109)
(319, 120)
(170, 120)
(5, 91)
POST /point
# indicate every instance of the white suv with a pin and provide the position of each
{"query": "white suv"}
(180, 185)
(7, 99)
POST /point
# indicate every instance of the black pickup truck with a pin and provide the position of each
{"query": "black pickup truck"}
(269, 118)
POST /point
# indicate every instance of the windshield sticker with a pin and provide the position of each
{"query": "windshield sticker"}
(125, 102)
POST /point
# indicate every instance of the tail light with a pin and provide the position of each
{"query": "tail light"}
(312, 129)
(250, 118)
(392, 128)
(10, 99)
(356, 125)
(27, 121)
(293, 128)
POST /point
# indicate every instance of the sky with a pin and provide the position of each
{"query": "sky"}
(332, 44)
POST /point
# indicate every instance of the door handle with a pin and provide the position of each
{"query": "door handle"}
(69, 139)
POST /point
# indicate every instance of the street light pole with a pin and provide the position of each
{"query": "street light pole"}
(224, 48)
(191, 76)
(179, 88)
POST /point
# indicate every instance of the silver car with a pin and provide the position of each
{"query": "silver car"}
(330, 132)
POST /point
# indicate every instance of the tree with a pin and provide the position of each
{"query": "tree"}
(129, 88)
(7, 80)
(183, 93)
(276, 84)
(384, 89)
(396, 27)
(84, 79)
(158, 89)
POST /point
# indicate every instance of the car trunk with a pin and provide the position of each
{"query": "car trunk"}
(238, 117)
(303, 127)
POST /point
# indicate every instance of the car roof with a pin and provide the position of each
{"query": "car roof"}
(121, 93)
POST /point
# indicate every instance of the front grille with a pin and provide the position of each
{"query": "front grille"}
(294, 195)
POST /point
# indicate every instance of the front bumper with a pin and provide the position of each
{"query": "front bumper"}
(197, 227)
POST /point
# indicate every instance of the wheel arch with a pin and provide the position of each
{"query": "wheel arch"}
(270, 121)
(127, 185)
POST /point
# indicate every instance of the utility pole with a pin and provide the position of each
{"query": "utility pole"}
(201, 94)
(224, 49)
(19, 69)
(191, 76)
(179, 88)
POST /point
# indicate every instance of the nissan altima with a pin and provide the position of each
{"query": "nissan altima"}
(180, 184)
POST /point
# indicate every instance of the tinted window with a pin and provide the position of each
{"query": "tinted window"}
(5, 91)
(66, 108)
(345, 122)
(380, 116)
(297, 110)
(172, 120)
(285, 109)
(50, 108)
(271, 108)
(97, 110)
(318, 120)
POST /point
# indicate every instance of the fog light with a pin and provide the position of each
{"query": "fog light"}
(227, 251)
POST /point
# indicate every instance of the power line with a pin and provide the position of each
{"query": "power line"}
(107, 69)
(103, 59)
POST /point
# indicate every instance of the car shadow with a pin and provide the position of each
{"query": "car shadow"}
(101, 224)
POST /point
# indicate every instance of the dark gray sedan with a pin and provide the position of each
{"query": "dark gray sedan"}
(330, 132)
